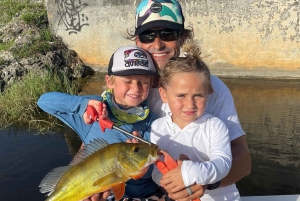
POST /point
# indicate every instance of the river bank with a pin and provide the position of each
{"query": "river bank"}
(32, 61)
(27, 43)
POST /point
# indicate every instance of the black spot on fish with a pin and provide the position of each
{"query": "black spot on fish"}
(136, 149)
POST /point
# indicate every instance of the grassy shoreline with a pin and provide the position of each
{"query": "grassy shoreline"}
(34, 15)
(18, 108)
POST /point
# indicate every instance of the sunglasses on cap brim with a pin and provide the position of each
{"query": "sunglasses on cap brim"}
(149, 36)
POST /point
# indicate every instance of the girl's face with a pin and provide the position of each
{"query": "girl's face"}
(129, 91)
(186, 95)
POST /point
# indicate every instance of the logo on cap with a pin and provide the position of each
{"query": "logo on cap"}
(135, 57)
(156, 7)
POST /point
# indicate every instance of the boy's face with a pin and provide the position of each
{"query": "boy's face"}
(129, 91)
(186, 95)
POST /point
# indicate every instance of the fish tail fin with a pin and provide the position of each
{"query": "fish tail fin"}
(50, 180)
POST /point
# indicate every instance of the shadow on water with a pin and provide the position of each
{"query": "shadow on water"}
(269, 112)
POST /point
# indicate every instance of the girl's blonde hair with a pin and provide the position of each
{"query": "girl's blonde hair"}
(192, 62)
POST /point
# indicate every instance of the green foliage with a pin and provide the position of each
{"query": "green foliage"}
(35, 14)
(2, 62)
(42, 44)
(11, 8)
(46, 35)
(18, 102)
(30, 49)
(5, 46)
(31, 12)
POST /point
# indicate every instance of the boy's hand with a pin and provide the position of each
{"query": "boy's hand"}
(99, 196)
(95, 104)
(133, 140)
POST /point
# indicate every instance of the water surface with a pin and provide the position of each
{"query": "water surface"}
(269, 112)
(25, 159)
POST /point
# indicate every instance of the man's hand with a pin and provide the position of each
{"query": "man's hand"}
(99, 196)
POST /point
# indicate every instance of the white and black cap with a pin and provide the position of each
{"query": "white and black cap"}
(131, 60)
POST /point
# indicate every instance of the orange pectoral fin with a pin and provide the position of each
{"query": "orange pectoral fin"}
(118, 190)
(143, 171)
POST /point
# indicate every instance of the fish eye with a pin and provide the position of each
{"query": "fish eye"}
(136, 149)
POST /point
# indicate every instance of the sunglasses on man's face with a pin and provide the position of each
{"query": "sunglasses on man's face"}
(149, 36)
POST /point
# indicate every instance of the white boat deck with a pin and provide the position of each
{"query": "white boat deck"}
(272, 198)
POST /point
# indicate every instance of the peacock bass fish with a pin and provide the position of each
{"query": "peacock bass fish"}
(99, 167)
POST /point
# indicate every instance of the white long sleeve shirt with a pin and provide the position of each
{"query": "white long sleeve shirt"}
(206, 142)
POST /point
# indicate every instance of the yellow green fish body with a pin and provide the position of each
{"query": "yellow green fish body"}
(95, 170)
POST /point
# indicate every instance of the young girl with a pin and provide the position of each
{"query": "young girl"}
(187, 131)
(131, 73)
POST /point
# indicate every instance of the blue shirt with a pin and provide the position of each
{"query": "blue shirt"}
(70, 108)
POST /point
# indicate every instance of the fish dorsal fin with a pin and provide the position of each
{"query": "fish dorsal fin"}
(118, 190)
(50, 180)
(143, 171)
(88, 150)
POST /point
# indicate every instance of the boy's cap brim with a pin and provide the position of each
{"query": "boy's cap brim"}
(134, 72)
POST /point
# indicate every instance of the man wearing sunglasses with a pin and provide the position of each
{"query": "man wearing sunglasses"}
(160, 30)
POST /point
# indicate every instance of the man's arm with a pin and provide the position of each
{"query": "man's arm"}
(241, 161)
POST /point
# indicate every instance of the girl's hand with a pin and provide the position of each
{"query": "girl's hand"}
(183, 195)
(172, 181)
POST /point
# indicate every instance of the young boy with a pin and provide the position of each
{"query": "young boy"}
(131, 74)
